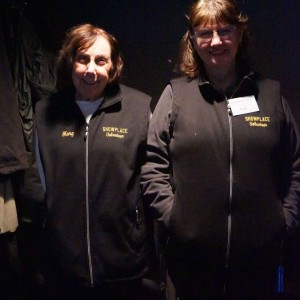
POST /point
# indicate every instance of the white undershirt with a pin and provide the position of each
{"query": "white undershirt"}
(89, 107)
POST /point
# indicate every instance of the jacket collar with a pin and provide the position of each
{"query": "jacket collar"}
(112, 96)
(246, 86)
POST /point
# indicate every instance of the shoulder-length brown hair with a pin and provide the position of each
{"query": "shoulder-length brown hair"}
(79, 38)
(203, 12)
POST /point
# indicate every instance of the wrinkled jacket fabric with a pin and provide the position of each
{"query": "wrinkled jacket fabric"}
(95, 223)
(32, 70)
(13, 156)
(223, 186)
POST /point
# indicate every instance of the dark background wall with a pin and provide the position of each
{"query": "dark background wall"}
(149, 33)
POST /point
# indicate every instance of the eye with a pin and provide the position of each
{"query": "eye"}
(223, 32)
(81, 58)
(101, 61)
(226, 31)
(204, 34)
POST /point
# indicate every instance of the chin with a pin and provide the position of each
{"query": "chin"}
(222, 63)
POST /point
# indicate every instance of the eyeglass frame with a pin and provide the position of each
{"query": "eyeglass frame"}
(220, 32)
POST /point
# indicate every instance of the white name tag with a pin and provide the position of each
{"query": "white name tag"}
(243, 105)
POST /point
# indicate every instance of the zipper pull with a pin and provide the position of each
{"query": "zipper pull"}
(86, 131)
(229, 108)
(137, 217)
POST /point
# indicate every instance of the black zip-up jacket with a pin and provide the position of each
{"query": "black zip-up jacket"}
(95, 223)
(222, 186)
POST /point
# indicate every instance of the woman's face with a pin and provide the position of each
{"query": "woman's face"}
(217, 45)
(91, 69)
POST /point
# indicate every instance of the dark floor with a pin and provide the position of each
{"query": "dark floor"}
(292, 291)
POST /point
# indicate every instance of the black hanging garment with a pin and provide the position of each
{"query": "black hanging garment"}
(13, 156)
(31, 73)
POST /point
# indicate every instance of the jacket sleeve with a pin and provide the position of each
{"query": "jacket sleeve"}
(291, 195)
(156, 172)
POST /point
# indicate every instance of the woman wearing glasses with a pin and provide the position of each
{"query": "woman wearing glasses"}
(223, 166)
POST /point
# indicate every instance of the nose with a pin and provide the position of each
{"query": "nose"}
(216, 40)
(91, 68)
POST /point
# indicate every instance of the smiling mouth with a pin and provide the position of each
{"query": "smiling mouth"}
(217, 52)
(90, 83)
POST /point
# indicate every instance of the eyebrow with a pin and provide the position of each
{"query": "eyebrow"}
(107, 57)
(221, 27)
(102, 56)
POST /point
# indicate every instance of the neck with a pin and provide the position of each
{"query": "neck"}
(223, 80)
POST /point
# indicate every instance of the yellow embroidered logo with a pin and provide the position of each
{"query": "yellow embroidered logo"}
(115, 132)
(255, 121)
(67, 133)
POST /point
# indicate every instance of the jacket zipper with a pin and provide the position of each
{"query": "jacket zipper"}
(230, 173)
(88, 239)
(230, 185)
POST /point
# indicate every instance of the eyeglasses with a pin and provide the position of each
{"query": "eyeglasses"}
(206, 35)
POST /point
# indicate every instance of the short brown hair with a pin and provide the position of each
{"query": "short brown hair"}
(81, 37)
(203, 12)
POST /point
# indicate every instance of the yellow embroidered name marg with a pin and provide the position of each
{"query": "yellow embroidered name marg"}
(115, 132)
(255, 121)
(67, 134)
